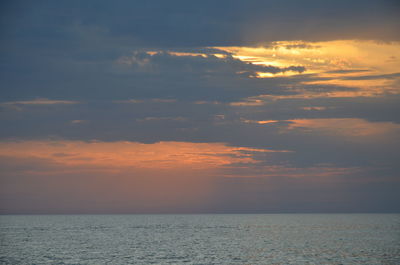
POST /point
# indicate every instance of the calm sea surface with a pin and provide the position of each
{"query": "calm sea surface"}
(201, 239)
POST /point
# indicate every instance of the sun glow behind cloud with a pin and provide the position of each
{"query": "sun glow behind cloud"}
(333, 69)
(320, 57)
(368, 65)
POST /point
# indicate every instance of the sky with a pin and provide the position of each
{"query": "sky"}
(240, 106)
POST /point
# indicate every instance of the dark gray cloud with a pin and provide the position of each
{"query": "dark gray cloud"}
(203, 23)
(140, 75)
(53, 50)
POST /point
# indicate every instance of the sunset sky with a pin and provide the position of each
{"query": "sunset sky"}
(239, 106)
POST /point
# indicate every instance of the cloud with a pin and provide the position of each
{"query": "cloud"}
(314, 108)
(156, 62)
(40, 176)
(168, 176)
(77, 121)
(210, 74)
(40, 101)
(206, 23)
(275, 94)
(131, 154)
(349, 127)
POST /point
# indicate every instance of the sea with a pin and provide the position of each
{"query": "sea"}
(201, 239)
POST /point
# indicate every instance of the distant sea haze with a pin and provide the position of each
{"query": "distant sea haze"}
(201, 239)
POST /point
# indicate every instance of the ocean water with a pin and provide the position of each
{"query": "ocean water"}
(201, 239)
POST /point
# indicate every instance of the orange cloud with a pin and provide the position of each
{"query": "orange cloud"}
(118, 177)
(19, 105)
(259, 122)
(319, 57)
(349, 127)
(40, 101)
(161, 155)
(121, 176)
(314, 108)
(348, 63)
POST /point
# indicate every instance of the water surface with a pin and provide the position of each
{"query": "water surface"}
(201, 239)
